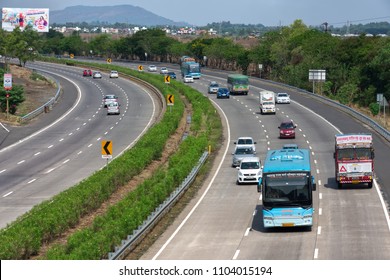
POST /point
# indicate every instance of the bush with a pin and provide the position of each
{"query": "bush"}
(374, 108)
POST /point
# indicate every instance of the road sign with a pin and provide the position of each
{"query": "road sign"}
(71, 55)
(170, 99)
(7, 81)
(167, 79)
(109, 60)
(106, 149)
(140, 68)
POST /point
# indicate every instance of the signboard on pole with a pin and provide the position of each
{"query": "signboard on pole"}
(317, 75)
(7, 81)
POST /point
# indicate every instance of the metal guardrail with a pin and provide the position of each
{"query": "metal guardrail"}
(363, 118)
(48, 105)
(132, 240)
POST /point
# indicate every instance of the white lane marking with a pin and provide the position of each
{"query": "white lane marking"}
(65, 161)
(51, 146)
(316, 253)
(247, 231)
(62, 139)
(90, 145)
(7, 194)
(320, 211)
(50, 170)
(320, 195)
(319, 182)
(319, 230)
(38, 153)
(80, 152)
(20, 162)
(236, 254)
(33, 180)
(3, 171)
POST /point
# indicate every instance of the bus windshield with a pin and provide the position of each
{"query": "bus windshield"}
(287, 188)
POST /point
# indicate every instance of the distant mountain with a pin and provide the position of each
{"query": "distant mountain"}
(110, 14)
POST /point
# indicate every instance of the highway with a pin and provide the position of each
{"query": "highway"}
(224, 221)
(64, 146)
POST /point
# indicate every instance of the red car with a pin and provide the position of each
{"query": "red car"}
(287, 129)
(87, 72)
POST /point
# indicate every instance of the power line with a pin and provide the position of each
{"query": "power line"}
(358, 20)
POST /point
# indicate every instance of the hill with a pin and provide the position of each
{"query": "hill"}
(129, 14)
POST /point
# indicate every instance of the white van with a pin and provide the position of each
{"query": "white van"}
(249, 171)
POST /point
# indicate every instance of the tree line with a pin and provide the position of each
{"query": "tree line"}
(357, 68)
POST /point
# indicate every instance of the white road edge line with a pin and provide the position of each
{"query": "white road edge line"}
(236, 254)
(205, 192)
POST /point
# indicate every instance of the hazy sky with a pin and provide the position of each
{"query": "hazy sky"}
(267, 12)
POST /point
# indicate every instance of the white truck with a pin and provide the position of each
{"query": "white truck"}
(354, 159)
(267, 102)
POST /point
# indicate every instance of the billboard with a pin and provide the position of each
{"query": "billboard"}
(37, 18)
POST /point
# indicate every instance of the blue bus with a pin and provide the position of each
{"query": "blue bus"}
(190, 68)
(287, 186)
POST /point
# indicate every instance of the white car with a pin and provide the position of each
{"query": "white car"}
(164, 70)
(97, 75)
(188, 79)
(152, 68)
(246, 140)
(282, 98)
(114, 74)
(249, 170)
(110, 98)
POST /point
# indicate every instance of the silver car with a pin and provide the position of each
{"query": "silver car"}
(97, 75)
(242, 151)
(113, 108)
(213, 87)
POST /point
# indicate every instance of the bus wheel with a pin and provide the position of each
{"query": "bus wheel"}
(370, 185)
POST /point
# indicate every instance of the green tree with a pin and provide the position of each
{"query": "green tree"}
(73, 45)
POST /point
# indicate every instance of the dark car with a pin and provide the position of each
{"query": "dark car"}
(287, 129)
(223, 93)
(172, 75)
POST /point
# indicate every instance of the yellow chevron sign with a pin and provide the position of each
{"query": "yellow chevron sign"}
(106, 149)
(170, 99)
